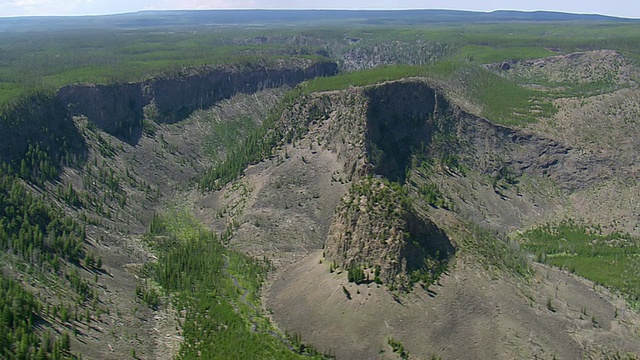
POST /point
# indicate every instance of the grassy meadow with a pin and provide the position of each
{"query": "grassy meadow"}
(612, 260)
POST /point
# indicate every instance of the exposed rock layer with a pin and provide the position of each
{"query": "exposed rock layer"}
(119, 108)
(380, 130)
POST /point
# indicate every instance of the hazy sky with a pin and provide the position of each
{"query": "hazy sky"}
(628, 8)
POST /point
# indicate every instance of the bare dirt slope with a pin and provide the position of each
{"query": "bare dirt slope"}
(561, 169)
(596, 97)
(282, 207)
(470, 314)
(607, 126)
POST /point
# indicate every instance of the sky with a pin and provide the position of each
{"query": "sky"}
(622, 8)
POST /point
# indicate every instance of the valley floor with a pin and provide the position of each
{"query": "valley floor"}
(471, 313)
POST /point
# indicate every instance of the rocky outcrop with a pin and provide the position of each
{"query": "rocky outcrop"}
(401, 117)
(373, 130)
(176, 97)
(336, 121)
(491, 148)
(376, 225)
(411, 117)
(116, 109)
(42, 123)
(119, 108)
(605, 66)
(394, 127)
(376, 228)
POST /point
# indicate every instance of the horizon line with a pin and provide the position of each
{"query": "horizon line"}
(319, 9)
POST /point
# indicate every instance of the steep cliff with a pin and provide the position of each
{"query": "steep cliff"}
(38, 134)
(176, 97)
(116, 109)
(120, 108)
(407, 132)
(402, 117)
(377, 226)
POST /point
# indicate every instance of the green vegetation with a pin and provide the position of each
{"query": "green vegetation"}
(356, 274)
(385, 201)
(45, 238)
(218, 290)
(376, 273)
(398, 348)
(505, 102)
(530, 40)
(392, 220)
(432, 195)
(38, 138)
(257, 146)
(607, 259)
(434, 265)
(369, 77)
(54, 59)
(502, 100)
(485, 54)
(442, 70)
(228, 135)
(143, 48)
(496, 251)
(148, 295)
(38, 239)
(21, 312)
(32, 229)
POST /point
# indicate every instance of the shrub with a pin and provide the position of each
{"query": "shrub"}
(356, 274)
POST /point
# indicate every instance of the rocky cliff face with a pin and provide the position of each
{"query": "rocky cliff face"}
(373, 130)
(401, 118)
(119, 108)
(386, 132)
(376, 228)
(176, 97)
(116, 109)
(491, 148)
(408, 118)
(336, 121)
(43, 123)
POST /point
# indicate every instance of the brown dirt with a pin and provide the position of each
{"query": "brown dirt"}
(283, 206)
(475, 312)
(472, 313)
(605, 126)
